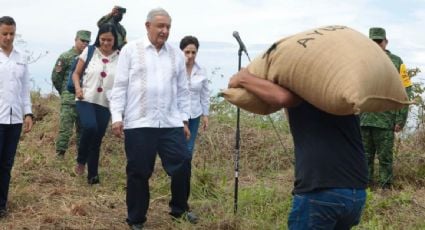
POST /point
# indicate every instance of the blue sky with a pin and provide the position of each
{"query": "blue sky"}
(50, 25)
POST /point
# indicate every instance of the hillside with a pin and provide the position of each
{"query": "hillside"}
(46, 194)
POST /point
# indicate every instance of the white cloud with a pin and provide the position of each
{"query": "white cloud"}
(51, 24)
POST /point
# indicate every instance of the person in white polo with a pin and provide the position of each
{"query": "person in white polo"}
(15, 103)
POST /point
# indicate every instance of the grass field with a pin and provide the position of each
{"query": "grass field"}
(45, 193)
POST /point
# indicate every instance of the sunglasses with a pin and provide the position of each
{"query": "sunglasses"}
(84, 41)
(379, 41)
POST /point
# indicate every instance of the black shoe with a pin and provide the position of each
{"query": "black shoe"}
(60, 154)
(3, 213)
(93, 180)
(387, 187)
(187, 216)
(136, 226)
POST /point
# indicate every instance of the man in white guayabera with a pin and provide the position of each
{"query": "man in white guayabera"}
(150, 106)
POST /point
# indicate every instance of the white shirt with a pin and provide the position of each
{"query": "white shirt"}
(15, 99)
(92, 79)
(150, 87)
(199, 92)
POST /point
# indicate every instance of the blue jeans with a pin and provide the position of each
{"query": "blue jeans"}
(93, 121)
(193, 127)
(337, 208)
(141, 148)
(9, 138)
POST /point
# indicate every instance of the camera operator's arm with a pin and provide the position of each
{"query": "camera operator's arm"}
(272, 94)
(108, 17)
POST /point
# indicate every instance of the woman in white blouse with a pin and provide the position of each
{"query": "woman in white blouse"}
(198, 87)
(92, 98)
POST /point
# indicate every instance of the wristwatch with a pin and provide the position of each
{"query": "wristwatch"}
(29, 115)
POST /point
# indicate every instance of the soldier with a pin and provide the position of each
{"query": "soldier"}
(68, 114)
(114, 18)
(378, 128)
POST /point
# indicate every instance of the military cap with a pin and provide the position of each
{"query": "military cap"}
(121, 9)
(84, 35)
(377, 33)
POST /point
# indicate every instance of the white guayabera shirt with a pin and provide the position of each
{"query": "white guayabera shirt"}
(15, 99)
(199, 92)
(150, 88)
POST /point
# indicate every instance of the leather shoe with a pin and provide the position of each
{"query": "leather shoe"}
(188, 216)
(3, 213)
(93, 180)
(136, 226)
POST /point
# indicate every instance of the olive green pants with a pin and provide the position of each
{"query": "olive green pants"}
(68, 118)
(378, 141)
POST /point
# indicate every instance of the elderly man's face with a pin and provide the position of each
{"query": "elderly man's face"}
(158, 30)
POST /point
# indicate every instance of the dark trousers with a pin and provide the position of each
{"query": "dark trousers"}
(9, 138)
(141, 147)
(94, 121)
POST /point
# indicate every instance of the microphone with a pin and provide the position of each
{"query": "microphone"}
(241, 45)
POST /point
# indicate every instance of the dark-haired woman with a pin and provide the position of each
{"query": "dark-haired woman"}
(198, 87)
(92, 98)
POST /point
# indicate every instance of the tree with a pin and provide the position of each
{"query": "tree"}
(32, 57)
(418, 89)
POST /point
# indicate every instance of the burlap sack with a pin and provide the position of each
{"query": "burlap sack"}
(335, 68)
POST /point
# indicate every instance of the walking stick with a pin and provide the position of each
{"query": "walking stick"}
(242, 48)
(237, 147)
(238, 137)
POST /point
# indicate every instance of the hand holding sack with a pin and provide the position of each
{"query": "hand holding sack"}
(334, 68)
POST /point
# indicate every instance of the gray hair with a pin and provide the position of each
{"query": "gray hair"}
(157, 12)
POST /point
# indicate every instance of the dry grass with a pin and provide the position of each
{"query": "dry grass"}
(46, 194)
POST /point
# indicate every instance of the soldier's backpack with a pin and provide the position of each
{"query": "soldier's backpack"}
(70, 84)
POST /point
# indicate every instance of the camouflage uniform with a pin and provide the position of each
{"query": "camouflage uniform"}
(121, 32)
(68, 113)
(378, 133)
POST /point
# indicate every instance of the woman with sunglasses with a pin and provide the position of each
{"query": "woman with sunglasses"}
(92, 100)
